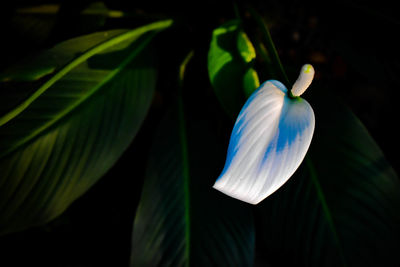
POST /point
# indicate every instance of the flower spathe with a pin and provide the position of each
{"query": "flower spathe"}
(269, 140)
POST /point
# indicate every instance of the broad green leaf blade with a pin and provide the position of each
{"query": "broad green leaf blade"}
(342, 207)
(84, 65)
(48, 61)
(230, 66)
(89, 46)
(36, 21)
(181, 220)
(70, 133)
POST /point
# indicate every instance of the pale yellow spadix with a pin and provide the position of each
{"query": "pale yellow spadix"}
(303, 82)
(270, 138)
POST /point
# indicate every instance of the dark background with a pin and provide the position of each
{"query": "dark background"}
(353, 46)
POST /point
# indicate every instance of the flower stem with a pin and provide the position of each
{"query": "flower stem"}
(270, 47)
(236, 10)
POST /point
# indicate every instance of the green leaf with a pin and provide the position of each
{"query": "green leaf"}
(342, 206)
(181, 220)
(65, 135)
(230, 62)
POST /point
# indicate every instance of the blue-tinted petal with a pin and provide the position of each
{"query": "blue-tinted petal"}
(269, 140)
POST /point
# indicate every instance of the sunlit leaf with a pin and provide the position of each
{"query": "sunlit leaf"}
(230, 62)
(57, 142)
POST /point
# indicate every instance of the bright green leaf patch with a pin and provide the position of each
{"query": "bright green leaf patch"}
(245, 47)
(65, 135)
(250, 82)
(230, 66)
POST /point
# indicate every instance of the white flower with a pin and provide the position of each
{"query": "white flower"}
(270, 139)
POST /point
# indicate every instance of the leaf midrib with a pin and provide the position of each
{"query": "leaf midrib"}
(98, 48)
(185, 157)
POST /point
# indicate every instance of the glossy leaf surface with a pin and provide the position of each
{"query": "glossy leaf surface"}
(230, 66)
(62, 137)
